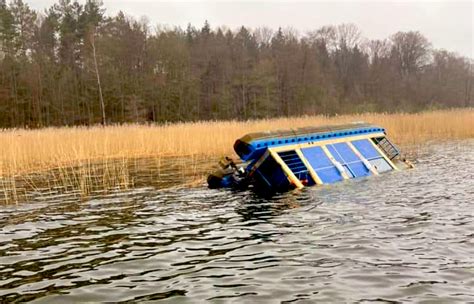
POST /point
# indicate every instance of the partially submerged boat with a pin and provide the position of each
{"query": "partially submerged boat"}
(296, 158)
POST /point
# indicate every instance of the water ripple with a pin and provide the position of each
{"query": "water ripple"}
(401, 237)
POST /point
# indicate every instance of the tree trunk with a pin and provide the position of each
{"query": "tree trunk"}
(468, 86)
(101, 97)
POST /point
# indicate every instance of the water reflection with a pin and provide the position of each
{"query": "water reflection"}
(405, 236)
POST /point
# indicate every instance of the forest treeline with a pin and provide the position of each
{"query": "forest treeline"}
(73, 64)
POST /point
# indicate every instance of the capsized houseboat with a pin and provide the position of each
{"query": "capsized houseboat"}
(288, 159)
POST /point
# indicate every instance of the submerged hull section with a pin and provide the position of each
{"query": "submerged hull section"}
(284, 160)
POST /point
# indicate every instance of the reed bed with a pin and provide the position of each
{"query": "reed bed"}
(25, 152)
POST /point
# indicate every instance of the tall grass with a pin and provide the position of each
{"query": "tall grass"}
(24, 152)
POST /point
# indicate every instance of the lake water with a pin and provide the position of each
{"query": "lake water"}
(400, 237)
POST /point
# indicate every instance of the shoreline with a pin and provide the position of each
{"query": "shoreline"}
(85, 159)
(28, 151)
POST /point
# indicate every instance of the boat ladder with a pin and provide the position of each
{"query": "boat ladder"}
(387, 147)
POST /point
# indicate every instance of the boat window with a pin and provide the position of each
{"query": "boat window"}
(381, 165)
(349, 160)
(322, 165)
(296, 165)
(367, 150)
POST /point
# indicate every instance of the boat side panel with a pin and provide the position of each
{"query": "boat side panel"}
(322, 165)
(327, 161)
(291, 176)
(353, 164)
(366, 162)
(384, 156)
(381, 165)
(311, 171)
(269, 174)
(366, 149)
(359, 169)
(344, 152)
(254, 166)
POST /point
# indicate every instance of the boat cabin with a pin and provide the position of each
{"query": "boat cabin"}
(287, 159)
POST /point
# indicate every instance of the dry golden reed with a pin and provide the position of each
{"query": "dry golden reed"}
(81, 161)
(26, 151)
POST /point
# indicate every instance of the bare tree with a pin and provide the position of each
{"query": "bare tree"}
(348, 36)
(326, 36)
(377, 49)
(411, 50)
(263, 36)
(99, 85)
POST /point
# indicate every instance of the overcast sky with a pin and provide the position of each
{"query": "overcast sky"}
(447, 24)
